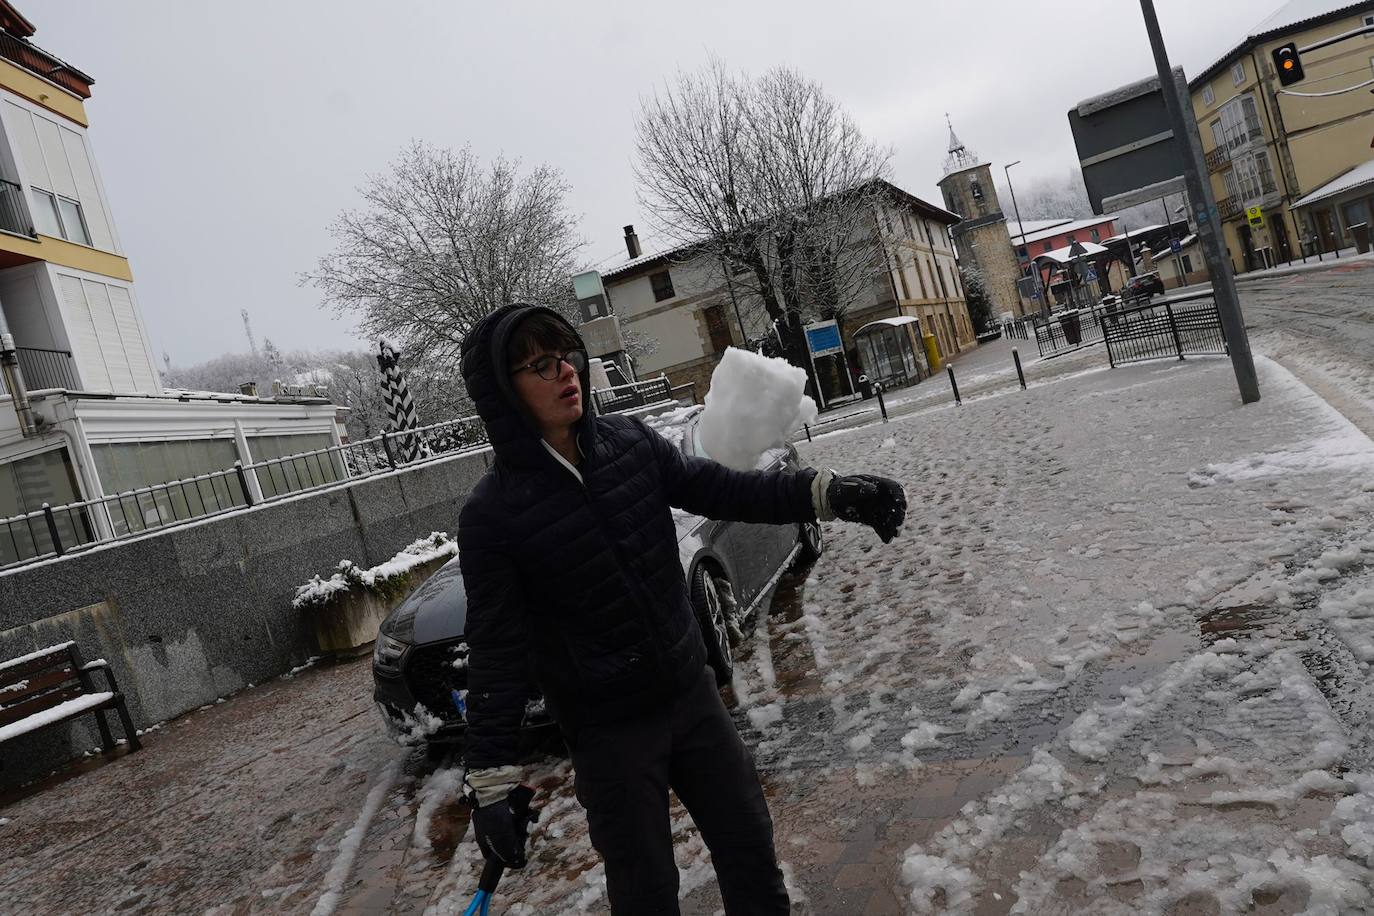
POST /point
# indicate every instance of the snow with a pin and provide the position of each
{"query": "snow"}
(38, 653)
(56, 714)
(308, 663)
(439, 787)
(337, 878)
(17, 687)
(754, 403)
(318, 591)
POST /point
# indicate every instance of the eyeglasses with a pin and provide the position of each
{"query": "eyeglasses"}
(548, 367)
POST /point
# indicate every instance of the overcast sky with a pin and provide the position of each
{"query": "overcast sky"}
(230, 135)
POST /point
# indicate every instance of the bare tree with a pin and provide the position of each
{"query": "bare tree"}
(443, 240)
(771, 180)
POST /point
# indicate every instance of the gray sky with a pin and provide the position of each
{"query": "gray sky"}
(230, 135)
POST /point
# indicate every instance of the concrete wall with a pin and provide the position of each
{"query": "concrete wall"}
(195, 613)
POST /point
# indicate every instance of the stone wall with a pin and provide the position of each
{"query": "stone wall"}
(190, 614)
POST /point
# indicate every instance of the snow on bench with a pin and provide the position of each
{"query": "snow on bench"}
(55, 714)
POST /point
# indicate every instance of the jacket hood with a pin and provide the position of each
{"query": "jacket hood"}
(514, 435)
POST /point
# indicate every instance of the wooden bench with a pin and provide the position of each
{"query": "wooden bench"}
(53, 685)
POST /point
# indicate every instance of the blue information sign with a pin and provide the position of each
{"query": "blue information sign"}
(824, 338)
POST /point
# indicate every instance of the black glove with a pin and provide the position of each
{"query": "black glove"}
(873, 501)
(503, 826)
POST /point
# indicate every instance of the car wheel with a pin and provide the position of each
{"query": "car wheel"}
(710, 610)
(812, 543)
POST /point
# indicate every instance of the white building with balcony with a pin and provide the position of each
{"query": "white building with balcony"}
(91, 417)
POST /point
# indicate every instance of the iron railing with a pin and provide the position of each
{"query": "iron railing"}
(635, 394)
(56, 530)
(44, 369)
(1217, 159)
(1167, 330)
(1067, 331)
(14, 210)
(51, 68)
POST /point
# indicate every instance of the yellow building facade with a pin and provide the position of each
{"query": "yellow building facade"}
(1276, 148)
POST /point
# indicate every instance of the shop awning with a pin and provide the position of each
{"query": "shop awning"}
(1357, 177)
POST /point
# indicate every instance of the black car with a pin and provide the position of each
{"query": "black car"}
(1143, 286)
(419, 664)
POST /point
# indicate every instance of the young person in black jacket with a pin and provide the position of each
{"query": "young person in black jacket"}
(570, 562)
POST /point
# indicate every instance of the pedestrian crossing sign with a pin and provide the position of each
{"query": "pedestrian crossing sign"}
(1256, 217)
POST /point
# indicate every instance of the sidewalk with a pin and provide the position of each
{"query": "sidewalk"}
(1118, 661)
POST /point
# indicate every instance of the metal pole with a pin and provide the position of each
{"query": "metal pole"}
(882, 405)
(1199, 187)
(1021, 227)
(1016, 357)
(954, 385)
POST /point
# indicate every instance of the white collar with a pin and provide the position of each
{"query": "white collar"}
(561, 460)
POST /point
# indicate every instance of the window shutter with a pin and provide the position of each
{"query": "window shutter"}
(97, 220)
(107, 329)
(84, 340)
(131, 335)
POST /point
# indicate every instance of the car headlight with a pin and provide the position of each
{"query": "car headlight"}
(388, 651)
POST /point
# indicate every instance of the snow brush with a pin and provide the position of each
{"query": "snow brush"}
(520, 799)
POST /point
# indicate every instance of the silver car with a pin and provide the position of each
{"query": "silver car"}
(419, 664)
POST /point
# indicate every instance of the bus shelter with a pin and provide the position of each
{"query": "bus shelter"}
(891, 351)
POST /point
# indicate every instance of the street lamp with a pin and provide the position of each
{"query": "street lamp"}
(1021, 227)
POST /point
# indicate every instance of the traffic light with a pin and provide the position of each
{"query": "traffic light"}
(1288, 64)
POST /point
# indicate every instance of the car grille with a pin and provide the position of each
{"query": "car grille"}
(432, 678)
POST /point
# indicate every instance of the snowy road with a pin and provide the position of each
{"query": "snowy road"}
(1117, 663)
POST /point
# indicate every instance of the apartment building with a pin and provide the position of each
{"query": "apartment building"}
(695, 307)
(91, 417)
(1296, 153)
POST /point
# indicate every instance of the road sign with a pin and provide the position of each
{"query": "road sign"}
(823, 338)
(1175, 246)
(1092, 275)
(1126, 144)
(1256, 217)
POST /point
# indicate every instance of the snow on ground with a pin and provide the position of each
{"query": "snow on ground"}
(1078, 682)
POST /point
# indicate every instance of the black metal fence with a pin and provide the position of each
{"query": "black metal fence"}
(55, 530)
(14, 214)
(1170, 329)
(44, 369)
(1066, 331)
(635, 394)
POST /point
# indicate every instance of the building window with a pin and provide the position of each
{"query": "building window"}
(25, 485)
(921, 278)
(1071, 238)
(1048, 248)
(736, 267)
(60, 217)
(1238, 72)
(662, 282)
(1208, 96)
(129, 466)
(975, 189)
(717, 328)
(1187, 265)
(1097, 236)
(906, 224)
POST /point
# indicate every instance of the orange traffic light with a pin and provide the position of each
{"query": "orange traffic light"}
(1288, 64)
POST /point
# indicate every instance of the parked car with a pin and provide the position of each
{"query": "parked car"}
(419, 664)
(1143, 286)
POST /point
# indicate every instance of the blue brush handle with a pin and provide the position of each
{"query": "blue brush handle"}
(481, 901)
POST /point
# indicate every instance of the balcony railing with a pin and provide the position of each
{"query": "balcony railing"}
(1218, 159)
(44, 369)
(35, 60)
(14, 213)
(1236, 203)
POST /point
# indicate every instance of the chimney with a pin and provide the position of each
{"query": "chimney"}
(632, 242)
(12, 381)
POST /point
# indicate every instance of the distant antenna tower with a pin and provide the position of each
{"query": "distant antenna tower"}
(167, 361)
(248, 329)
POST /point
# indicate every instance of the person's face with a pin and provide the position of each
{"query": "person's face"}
(554, 403)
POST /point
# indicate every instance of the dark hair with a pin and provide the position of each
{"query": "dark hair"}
(540, 331)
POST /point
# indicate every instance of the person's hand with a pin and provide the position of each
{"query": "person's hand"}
(502, 827)
(873, 501)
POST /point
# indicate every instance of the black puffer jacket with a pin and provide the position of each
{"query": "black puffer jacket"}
(580, 583)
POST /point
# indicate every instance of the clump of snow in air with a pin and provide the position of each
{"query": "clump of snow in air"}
(754, 402)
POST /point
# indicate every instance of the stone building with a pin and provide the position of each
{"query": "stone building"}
(694, 307)
(981, 236)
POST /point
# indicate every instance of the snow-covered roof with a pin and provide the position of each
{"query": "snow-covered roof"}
(1135, 233)
(1062, 256)
(1291, 17)
(889, 322)
(1060, 229)
(1359, 176)
(1036, 225)
(1168, 251)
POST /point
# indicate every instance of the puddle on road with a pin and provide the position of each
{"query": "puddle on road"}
(1237, 621)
